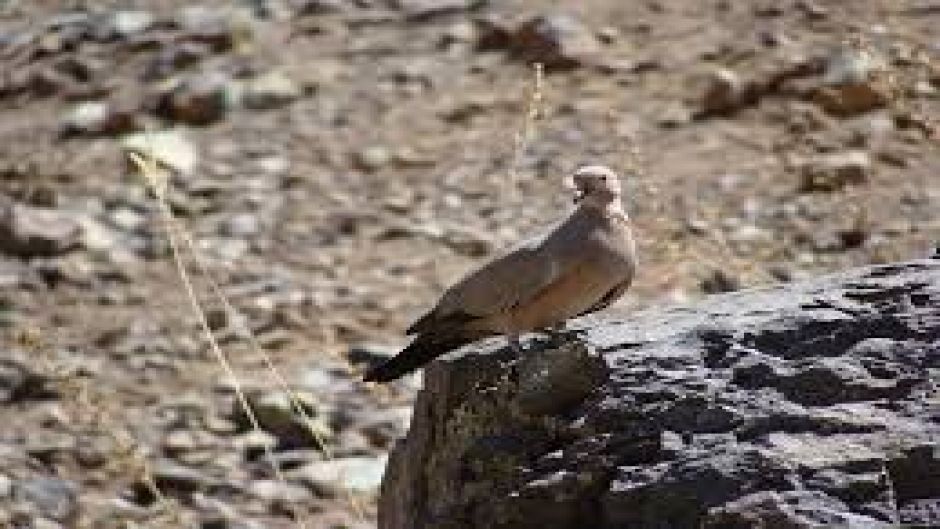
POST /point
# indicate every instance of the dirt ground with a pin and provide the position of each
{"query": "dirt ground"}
(337, 163)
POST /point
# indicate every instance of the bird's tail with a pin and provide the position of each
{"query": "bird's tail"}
(417, 354)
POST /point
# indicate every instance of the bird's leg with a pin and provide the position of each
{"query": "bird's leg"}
(556, 333)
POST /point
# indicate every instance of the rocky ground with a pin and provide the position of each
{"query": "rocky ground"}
(808, 404)
(337, 163)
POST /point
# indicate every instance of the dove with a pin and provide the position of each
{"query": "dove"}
(581, 266)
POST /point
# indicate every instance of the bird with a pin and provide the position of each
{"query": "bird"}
(584, 264)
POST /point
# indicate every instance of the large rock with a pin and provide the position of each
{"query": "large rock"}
(800, 405)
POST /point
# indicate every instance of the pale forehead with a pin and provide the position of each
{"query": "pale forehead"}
(595, 170)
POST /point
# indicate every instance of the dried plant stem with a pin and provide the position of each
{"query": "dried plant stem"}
(523, 138)
(158, 183)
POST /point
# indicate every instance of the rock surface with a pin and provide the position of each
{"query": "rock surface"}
(800, 405)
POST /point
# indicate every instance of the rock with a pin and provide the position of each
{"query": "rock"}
(29, 232)
(198, 101)
(719, 281)
(171, 148)
(789, 510)
(52, 498)
(796, 405)
(276, 415)
(98, 118)
(172, 477)
(126, 24)
(558, 41)
(241, 225)
(850, 85)
(425, 10)
(831, 172)
(271, 90)
(272, 490)
(724, 93)
(372, 158)
(18, 383)
(6, 486)
(337, 477)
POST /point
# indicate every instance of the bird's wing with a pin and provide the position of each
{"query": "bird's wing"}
(507, 281)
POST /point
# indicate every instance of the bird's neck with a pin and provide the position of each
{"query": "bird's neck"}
(613, 209)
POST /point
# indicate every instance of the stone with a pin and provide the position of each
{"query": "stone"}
(127, 23)
(99, 118)
(172, 148)
(170, 476)
(276, 415)
(425, 10)
(831, 172)
(719, 281)
(724, 93)
(337, 477)
(52, 498)
(372, 158)
(197, 101)
(558, 41)
(272, 490)
(850, 85)
(29, 232)
(794, 405)
(271, 90)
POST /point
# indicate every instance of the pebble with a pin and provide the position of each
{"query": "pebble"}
(199, 100)
(272, 490)
(241, 225)
(362, 474)
(171, 148)
(125, 24)
(98, 118)
(831, 172)
(27, 231)
(271, 90)
(53, 498)
(558, 41)
(372, 158)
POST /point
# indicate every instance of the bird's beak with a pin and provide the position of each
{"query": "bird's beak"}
(578, 195)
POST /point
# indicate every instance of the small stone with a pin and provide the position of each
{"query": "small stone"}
(850, 85)
(720, 281)
(170, 476)
(243, 225)
(674, 116)
(53, 498)
(272, 490)
(276, 415)
(6, 486)
(321, 7)
(255, 443)
(725, 92)
(424, 10)
(373, 158)
(29, 232)
(196, 101)
(335, 477)
(171, 148)
(125, 24)
(96, 118)
(831, 172)
(558, 41)
(271, 90)
(468, 241)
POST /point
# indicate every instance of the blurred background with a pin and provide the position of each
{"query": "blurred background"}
(336, 163)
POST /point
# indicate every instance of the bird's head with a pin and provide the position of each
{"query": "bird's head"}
(595, 186)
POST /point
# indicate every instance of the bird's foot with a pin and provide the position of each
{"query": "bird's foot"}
(560, 334)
